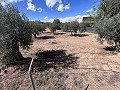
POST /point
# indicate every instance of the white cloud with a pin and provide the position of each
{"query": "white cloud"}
(68, 19)
(90, 10)
(31, 6)
(45, 18)
(3, 2)
(51, 3)
(29, 0)
(50, 20)
(85, 15)
(39, 10)
(67, 6)
(61, 7)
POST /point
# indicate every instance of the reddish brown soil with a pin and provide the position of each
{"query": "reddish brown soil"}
(82, 61)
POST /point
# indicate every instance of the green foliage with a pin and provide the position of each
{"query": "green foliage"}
(37, 27)
(43, 27)
(55, 25)
(108, 25)
(47, 24)
(82, 27)
(74, 27)
(57, 21)
(15, 31)
(65, 27)
(108, 8)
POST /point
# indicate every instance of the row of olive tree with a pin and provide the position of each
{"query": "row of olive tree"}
(15, 31)
(72, 27)
(108, 22)
(37, 27)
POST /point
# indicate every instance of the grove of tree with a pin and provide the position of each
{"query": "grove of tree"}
(16, 30)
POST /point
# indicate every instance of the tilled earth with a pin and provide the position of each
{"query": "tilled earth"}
(64, 62)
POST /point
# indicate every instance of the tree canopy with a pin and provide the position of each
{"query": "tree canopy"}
(15, 31)
(108, 25)
(55, 25)
(37, 27)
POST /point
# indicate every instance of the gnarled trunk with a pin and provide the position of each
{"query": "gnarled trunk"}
(13, 55)
(117, 45)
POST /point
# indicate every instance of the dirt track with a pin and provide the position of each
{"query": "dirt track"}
(91, 67)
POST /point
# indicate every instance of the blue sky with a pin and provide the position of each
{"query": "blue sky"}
(48, 10)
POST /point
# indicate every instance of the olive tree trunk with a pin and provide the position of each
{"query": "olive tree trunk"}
(13, 55)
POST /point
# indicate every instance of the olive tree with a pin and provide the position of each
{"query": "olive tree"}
(37, 27)
(109, 29)
(74, 27)
(15, 31)
(108, 22)
(65, 26)
(55, 25)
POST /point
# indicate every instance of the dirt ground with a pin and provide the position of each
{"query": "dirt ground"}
(65, 62)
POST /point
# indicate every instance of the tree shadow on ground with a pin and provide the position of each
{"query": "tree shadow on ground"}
(46, 37)
(99, 53)
(110, 48)
(48, 32)
(59, 33)
(80, 35)
(55, 59)
(52, 59)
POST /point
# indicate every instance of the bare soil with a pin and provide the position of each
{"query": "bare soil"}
(65, 62)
